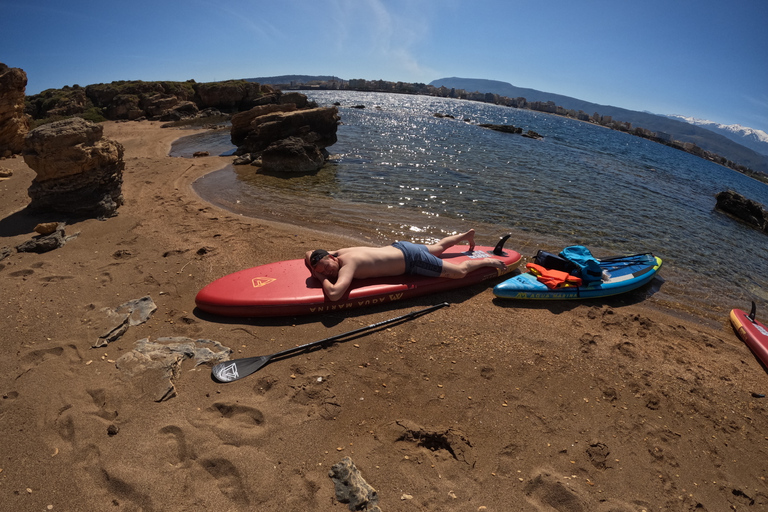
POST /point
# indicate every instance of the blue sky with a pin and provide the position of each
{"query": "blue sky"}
(705, 59)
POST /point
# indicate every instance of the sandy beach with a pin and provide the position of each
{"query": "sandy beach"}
(603, 406)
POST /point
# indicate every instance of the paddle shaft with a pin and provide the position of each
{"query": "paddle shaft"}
(248, 365)
(357, 331)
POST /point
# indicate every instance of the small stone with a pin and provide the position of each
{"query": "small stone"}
(112, 430)
(46, 228)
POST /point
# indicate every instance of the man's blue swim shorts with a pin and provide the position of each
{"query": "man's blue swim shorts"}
(419, 261)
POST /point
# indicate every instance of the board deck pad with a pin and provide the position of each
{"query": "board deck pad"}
(751, 332)
(626, 274)
(286, 288)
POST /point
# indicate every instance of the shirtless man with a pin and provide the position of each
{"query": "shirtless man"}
(336, 270)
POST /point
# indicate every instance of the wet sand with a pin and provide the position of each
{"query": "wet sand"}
(613, 405)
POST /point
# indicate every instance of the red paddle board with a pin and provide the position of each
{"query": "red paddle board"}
(751, 332)
(286, 288)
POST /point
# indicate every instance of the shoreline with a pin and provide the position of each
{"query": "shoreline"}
(606, 405)
(375, 225)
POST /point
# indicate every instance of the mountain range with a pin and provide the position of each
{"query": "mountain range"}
(749, 137)
(749, 150)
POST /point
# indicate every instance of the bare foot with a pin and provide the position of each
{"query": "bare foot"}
(469, 236)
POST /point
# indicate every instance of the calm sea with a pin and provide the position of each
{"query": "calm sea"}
(400, 172)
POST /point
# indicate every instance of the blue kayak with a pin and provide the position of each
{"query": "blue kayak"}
(625, 273)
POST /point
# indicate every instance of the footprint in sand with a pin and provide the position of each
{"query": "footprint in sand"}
(22, 273)
(507, 459)
(548, 490)
(245, 416)
(228, 479)
(264, 385)
(101, 401)
(56, 279)
(121, 490)
(598, 454)
(39, 356)
(235, 424)
(177, 444)
(589, 342)
(627, 349)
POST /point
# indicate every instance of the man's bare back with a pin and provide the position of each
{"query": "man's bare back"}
(336, 270)
(372, 261)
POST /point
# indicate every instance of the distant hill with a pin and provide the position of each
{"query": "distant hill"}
(287, 79)
(680, 130)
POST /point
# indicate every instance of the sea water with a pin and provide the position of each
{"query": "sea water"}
(400, 172)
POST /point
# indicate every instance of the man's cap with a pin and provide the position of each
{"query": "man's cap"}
(316, 256)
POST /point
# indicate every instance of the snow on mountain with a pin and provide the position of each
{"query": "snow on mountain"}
(756, 140)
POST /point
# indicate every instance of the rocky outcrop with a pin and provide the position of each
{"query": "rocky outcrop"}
(230, 96)
(317, 126)
(289, 135)
(165, 101)
(14, 123)
(292, 155)
(78, 171)
(504, 128)
(243, 122)
(746, 210)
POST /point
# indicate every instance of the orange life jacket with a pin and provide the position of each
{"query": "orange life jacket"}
(553, 278)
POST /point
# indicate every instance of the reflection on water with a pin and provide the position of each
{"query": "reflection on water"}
(400, 172)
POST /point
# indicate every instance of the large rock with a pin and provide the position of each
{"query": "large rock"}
(243, 122)
(292, 155)
(316, 125)
(78, 171)
(746, 210)
(14, 123)
(286, 133)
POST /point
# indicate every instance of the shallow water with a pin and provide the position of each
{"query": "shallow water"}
(400, 172)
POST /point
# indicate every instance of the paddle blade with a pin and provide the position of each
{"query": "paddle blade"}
(230, 371)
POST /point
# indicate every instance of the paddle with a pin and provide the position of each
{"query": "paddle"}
(230, 371)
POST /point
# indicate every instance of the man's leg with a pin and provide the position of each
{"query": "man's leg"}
(438, 248)
(454, 271)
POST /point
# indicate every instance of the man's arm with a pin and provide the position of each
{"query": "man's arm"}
(334, 291)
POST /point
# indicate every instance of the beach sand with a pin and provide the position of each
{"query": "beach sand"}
(483, 405)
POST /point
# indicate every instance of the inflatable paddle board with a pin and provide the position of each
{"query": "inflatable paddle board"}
(286, 288)
(751, 332)
(626, 274)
